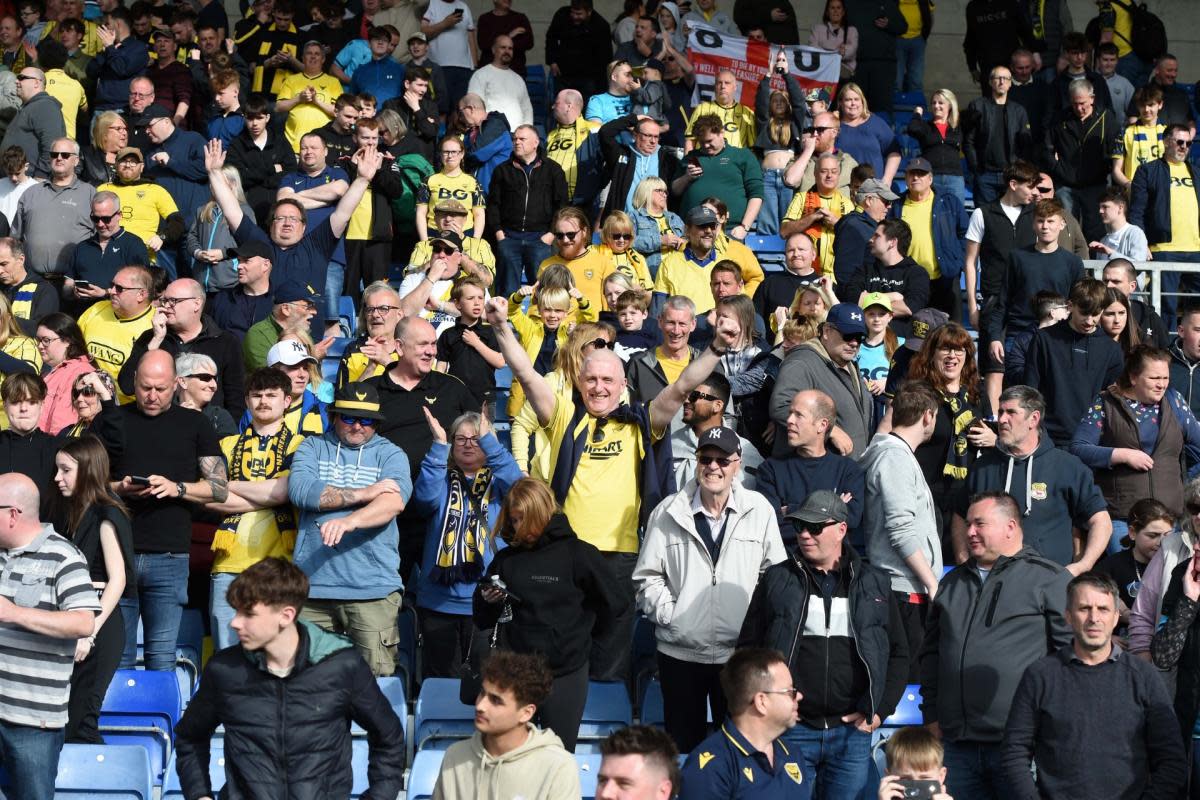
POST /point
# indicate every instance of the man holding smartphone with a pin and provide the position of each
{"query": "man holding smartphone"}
(450, 28)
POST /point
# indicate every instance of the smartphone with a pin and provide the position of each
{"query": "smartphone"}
(917, 788)
(780, 70)
(987, 423)
(82, 284)
(638, 72)
(138, 480)
(693, 160)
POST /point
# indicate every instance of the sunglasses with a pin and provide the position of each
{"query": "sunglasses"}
(56, 154)
(599, 344)
(84, 391)
(119, 289)
(442, 250)
(98, 218)
(363, 421)
(623, 237)
(697, 395)
(854, 338)
(568, 235)
(1043, 189)
(720, 461)
(813, 529)
(1183, 142)
(1193, 509)
(207, 377)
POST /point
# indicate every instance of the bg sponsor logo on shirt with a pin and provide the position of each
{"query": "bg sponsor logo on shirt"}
(1185, 181)
(456, 194)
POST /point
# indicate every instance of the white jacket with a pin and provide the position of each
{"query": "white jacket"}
(698, 607)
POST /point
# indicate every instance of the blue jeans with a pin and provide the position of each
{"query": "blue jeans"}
(835, 759)
(335, 275)
(777, 195)
(221, 612)
(910, 64)
(973, 770)
(518, 257)
(951, 184)
(989, 186)
(1174, 282)
(162, 580)
(30, 755)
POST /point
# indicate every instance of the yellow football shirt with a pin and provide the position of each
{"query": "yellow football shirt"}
(562, 146)
(737, 120)
(919, 217)
(143, 206)
(69, 92)
(1140, 144)
(307, 117)
(678, 274)
(462, 187)
(670, 367)
(1185, 237)
(110, 340)
(589, 272)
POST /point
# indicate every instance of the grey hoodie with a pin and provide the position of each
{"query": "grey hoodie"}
(898, 516)
(809, 367)
(540, 769)
(34, 129)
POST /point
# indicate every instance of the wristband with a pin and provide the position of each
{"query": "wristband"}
(717, 352)
(426, 277)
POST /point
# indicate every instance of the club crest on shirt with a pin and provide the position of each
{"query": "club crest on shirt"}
(749, 773)
(1037, 491)
(704, 759)
(793, 771)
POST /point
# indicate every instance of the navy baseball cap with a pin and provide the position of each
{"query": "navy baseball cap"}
(847, 318)
(292, 291)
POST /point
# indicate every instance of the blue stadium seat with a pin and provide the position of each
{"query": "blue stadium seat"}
(329, 369)
(441, 719)
(104, 772)
(908, 710)
(607, 709)
(652, 704)
(768, 249)
(216, 771)
(423, 775)
(338, 347)
(589, 773)
(142, 708)
(906, 101)
(347, 313)
(393, 689)
(359, 759)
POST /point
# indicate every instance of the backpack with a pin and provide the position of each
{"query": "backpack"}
(1148, 35)
(413, 170)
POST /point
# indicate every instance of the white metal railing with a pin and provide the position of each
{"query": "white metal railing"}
(1152, 270)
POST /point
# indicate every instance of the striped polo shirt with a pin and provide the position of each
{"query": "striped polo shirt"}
(35, 670)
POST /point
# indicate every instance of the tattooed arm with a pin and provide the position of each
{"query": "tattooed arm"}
(213, 486)
(334, 497)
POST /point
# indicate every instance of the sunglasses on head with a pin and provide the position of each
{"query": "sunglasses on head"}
(363, 421)
(721, 461)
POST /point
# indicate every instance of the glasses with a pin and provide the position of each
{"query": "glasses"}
(364, 422)
(55, 154)
(451, 153)
(813, 529)
(853, 338)
(293, 220)
(467, 440)
(119, 289)
(171, 302)
(622, 237)
(1183, 142)
(45, 341)
(652, 136)
(207, 377)
(567, 235)
(84, 391)
(105, 218)
(819, 129)
(720, 461)
(369, 310)
(791, 692)
(696, 395)
(1044, 189)
(708, 226)
(962, 351)
(1193, 509)
(27, 78)
(141, 95)
(599, 344)
(1001, 78)
(442, 250)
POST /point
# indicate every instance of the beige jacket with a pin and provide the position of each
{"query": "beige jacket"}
(540, 769)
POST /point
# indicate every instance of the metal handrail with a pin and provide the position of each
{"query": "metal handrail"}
(1153, 289)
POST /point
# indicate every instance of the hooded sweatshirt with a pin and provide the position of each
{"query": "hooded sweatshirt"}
(899, 519)
(809, 367)
(365, 564)
(1069, 369)
(540, 769)
(1053, 489)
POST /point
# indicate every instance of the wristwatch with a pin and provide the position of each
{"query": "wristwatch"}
(182, 489)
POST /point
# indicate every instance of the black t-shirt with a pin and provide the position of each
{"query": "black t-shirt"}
(1125, 572)
(404, 423)
(169, 444)
(465, 362)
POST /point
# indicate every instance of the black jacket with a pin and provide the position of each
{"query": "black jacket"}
(422, 124)
(1059, 96)
(1001, 237)
(982, 120)
(1150, 199)
(221, 346)
(942, 152)
(260, 178)
(1079, 153)
(619, 163)
(289, 738)
(564, 595)
(580, 51)
(778, 611)
(749, 14)
(526, 201)
(994, 29)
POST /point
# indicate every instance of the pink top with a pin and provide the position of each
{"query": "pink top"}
(57, 411)
(827, 37)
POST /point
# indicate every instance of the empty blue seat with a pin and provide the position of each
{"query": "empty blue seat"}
(589, 773)
(424, 774)
(607, 709)
(770, 245)
(104, 772)
(347, 313)
(441, 718)
(338, 347)
(908, 710)
(907, 101)
(359, 759)
(141, 708)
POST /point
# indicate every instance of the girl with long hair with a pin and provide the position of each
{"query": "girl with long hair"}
(97, 522)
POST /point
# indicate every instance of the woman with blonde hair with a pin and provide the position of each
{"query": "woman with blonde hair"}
(941, 142)
(568, 595)
(98, 160)
(866, 136)
(462, 481)
(209, 239)
(18, 352)
(657, 230)
(616, 244)
(813, 300)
